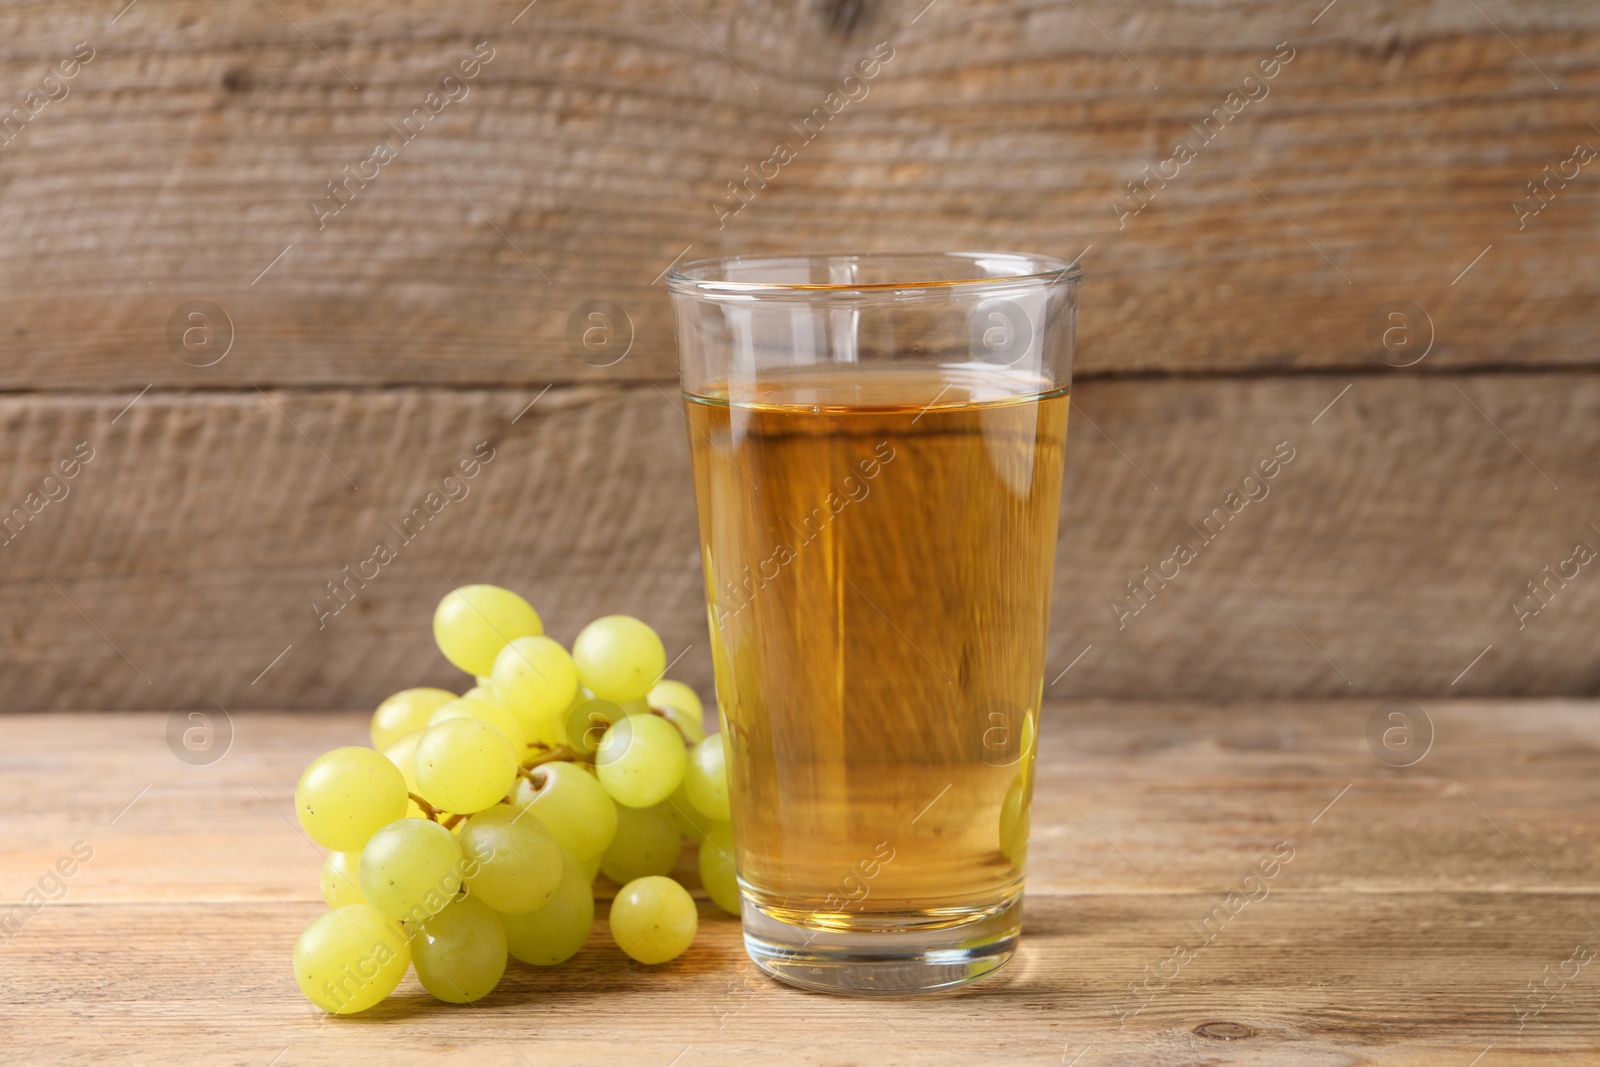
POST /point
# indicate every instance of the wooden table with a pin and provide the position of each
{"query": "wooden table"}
(1417, 906)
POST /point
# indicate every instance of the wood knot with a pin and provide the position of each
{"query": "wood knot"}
(1225, 1031)
(235, 80)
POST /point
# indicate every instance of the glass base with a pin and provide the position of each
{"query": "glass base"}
(896, 960)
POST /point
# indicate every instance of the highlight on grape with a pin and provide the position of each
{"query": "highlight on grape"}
(474, 828)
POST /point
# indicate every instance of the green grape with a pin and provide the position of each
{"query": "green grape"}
(647, 843)
(691, 820)
(717, 871)
(411, 869)
(473, 623)
(347, 794)
(691, 729)
(488, 711)
(586, 722)
(350, 958)
(535, 678)
(483, 679)
(654, 919)
(591, 867)
(555, 932)
(464, 765)
(1030, 745)
(568, 801)
(403, 755)
(680, 706)
(513, 864)
(1014, 812)
(619, 658)
(706, 779)
(668, 693)
(341, 879)
(404, 712)
(460, 953)
(641, 760)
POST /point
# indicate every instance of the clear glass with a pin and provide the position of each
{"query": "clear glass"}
(877, 446)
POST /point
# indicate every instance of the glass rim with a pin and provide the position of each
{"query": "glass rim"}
(701, 276)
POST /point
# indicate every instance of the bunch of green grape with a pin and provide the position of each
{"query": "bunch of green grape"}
(476, 826)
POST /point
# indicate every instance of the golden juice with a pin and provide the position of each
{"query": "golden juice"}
(878, 547)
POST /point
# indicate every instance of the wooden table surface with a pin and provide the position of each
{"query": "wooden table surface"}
(1418, 906)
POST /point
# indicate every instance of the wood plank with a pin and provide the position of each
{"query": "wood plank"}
(189, 552)
(1186, 796)
(1385, 158)
(1409, 979)
(1404, 930)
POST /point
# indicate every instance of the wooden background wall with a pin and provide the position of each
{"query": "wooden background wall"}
(431, 313)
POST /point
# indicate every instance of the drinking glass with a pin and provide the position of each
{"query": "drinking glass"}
(877, 444)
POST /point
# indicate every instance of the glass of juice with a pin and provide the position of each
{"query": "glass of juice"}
(877, 445)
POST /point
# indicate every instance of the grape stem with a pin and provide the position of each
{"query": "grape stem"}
(427, 809)
(449, 822)
(557, 754)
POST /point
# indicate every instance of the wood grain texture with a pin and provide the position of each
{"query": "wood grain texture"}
(1417, 905)
(588, 153)
(190, 551)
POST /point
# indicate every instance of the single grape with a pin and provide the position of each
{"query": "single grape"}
(619, 658)
(691, 729)
(635, 707)
(403, 755)
(347, 794)
(647, 843)
(463, 765)
(554, 933)
(568, 801)
(706, 779)
(483, 691)
(460, 953)
(487, 710)
(411, 869)
(1014, 812)
(482, 679)
(591, 867)
(535, 678)
(654, 919)
(668, 693)
(717, 871)
(680, 706)
(473, 623)
(1030, 748)
(404, 712)
(586, 723)
(641, 760)
(513, 864)
(350, 958)
(691, 820)
(341, 879)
